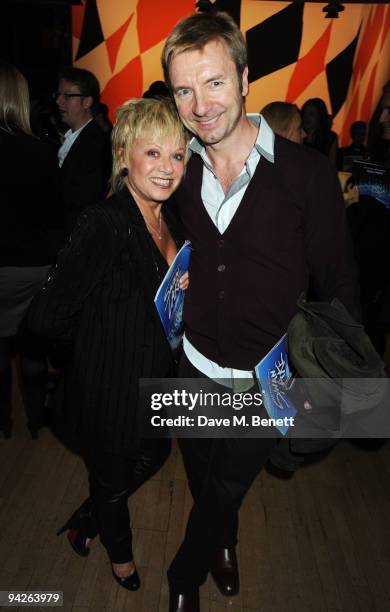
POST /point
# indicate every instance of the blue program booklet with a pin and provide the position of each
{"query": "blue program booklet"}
(169, 298)
(275, 376)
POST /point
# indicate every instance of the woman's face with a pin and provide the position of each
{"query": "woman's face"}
(155, 168)
(310, 117)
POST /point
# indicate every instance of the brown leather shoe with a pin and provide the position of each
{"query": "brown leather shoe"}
(184, 602)
(224, 570)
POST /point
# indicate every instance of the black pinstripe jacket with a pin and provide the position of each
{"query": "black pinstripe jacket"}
(98, 301)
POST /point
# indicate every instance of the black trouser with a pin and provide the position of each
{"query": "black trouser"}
(113, 479)
(220, 472)
(33, 366)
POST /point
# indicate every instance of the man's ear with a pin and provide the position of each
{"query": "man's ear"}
(245, 82)
(87, 102)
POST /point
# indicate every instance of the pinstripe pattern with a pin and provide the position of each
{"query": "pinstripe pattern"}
(98, 303)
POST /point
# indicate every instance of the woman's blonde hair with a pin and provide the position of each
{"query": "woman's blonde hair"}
(14, 100)
(280, 116)
(157, 118)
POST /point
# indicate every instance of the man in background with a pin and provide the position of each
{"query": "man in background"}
(85, 155)
(384, 125)
(356, 151)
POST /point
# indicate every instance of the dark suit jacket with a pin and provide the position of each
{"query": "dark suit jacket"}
(98, 301)
(85, 172)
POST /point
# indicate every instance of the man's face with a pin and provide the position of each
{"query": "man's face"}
(74, 108)
(384, 118)
(208, 94)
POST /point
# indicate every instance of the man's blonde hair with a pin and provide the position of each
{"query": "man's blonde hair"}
(195, 31)
(135, 119)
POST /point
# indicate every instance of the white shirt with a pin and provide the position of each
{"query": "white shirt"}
(222, 209)
(69, 139)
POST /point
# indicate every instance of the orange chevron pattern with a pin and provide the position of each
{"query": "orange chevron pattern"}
(309, 66)
(114, 42)
(77, 20)
(371, 68)
(127, 60)
(370, 36)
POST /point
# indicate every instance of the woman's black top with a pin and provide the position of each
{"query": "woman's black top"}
(98, 303)
(30, 200)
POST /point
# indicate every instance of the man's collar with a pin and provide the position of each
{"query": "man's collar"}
(265, 138)
(264, 142)
(82, 127)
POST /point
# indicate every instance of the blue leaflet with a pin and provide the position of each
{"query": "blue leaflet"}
(275, 377)
(169, 298)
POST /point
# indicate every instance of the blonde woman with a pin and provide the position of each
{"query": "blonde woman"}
(285, 119)
(98, 301)
(30, 208)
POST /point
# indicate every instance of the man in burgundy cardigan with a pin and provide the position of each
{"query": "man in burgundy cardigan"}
(265, 218)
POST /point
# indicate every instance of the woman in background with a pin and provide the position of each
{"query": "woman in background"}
(30, 207)
(98, 305)
(317, 124)
(285, 120)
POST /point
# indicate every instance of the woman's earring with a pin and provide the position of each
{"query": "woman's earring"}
(124, 172)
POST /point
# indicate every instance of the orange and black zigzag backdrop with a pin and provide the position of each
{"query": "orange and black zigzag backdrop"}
(294, 52)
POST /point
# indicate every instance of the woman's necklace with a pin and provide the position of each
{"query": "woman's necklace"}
(156, 231)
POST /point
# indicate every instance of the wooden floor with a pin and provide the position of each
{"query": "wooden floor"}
(319, 542)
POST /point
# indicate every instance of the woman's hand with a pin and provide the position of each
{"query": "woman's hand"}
(184, 281)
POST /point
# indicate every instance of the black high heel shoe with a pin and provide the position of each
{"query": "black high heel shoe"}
(76, 538)
(77, 541)
(131, 583)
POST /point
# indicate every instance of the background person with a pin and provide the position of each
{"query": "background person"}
(285, 119)
(102, 117)
(30, 209)
(380, 148)
(356, 150)
(85, 155)
(157, 89)
(98, 304)
(370, 227)
(317, 124)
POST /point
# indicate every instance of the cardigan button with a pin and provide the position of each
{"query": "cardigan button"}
(221, 268)
(221, 242)
(221, 295)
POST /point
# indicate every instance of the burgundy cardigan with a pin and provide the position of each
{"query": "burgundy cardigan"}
(288, 236)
